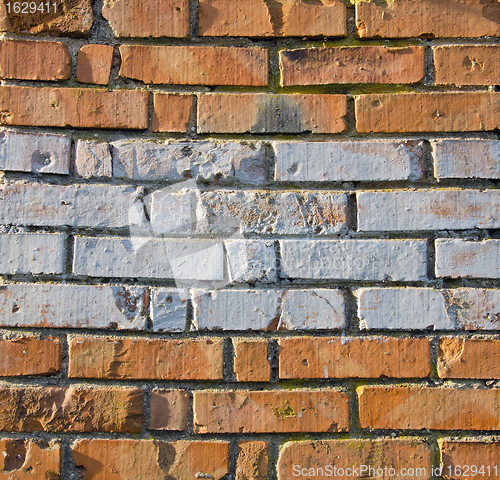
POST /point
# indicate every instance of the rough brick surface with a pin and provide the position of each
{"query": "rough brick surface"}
(94, 64)
(30, 356)
(251, 261)
(171, 112)
(429, 408)
(323, 66)
(54, 409)
(168, 309)
(168, 410)
(345, 357)
(146, 359)
(271, 411)
(252, 462)
(265, 113)
(427, 112)
(93, 160)
(250, 360)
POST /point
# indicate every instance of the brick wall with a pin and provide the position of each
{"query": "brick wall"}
(250, 239)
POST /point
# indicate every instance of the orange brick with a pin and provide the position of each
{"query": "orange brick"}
(94, 64)
(271, 411)
(250, 360)
(336, 357)
(171, 112)
(427, 112)
(151, 459)
(195, 65)
(145, 359)
(265, 113)
(320, 66)
(253, 461)
(30, 356)
(34, 60)
(429, 408)
(168, 409)
(73, 107)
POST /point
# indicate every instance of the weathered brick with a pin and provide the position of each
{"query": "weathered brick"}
(461, 258)
(428, 210)
(251, 260)
(73, 306)
(30, 356)
(193, 65)
(73, 107)
(345, 161)
(55, 409)
(168, 409)
(429, 408)
(171, 112)
(268, 309)
(346, 357)
(397, 260)
(93, 160)
(265, 113)
(100, 357)
(252, 462)
(35, 152)
(94, 64)
(260, 18)
(250, 360)
(148, 258)
(466, 158)
(148, 18)
(202, 160)
(427, 112)
(426, 308)
(327, 65)
(348, 459)
(168, 309)
(32, 253)
(427, 18)
(271, 411)
(151, 459)
(468, 358)
(23, 458)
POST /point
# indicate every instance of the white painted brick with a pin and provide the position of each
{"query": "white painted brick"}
(348, 161)
(93, 160)
(168, 309)
(428, 210)
(74, 205)
(173, 212)
(145, 257)
(33, 253)
(73, 306)
(466, 158)
(251, 260)
(202, 160)
(460, 258)
(35, 152)
(398, 260)
(426, 308)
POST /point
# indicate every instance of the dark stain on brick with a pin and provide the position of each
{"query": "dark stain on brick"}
(166, 458)
(300, 55)
(275, 10)
(491, 10)
(15, 455)
(279, 114)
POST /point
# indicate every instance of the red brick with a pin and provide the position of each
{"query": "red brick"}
(261, 18)
(271, 411)
(265, 113)
(148, 18)
(73, 107)
(30, 356)
(151, 459)
(54, 409)
(250, 360)
(428, 18)
(94, 64)
(34, 60)
(427, 112)
(168, 409)
(145, 359)
(253, 461)
(429, 408)
(336, 357)
(320, 66)
(171, 112)
(187, 65)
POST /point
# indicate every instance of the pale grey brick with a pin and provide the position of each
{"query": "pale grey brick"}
(93, 159)
(168, 309)
(251, 260)
(398, 260)
(348, 161)
(173, 212)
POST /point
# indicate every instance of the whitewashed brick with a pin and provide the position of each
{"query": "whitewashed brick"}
(348, 161)
(168, 309)
(428, 210)
(93, 159)
(173, 212)
(251, 260)
(33, 253)
(35, 152)
(398, 260)
(73, 306)
(460, 258)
